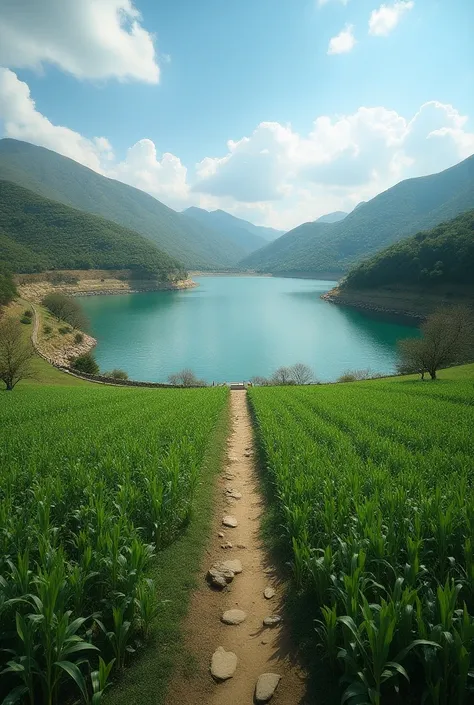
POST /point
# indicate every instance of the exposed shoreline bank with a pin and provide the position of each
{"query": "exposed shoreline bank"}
(408, 303)
(34, 287)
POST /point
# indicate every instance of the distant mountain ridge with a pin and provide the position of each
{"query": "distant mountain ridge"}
(405, 209)
(37, 234)
(334, 217)
(241, 232)
(232, 228)
(63, 180)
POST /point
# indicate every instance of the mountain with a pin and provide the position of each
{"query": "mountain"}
(61, 179)
(332, 217)
(227, 225)
(442, 255)
(37, 234)
(404, 209)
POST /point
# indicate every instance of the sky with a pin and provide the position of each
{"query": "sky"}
(278, 111)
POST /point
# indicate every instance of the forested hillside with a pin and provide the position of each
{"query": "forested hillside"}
(64, 180)
(442, 255)
(403, 210)
(38, 234)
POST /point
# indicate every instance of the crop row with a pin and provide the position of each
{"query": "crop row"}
(373, 484)
(94, 481)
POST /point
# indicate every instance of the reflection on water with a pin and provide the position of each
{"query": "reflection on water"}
(232, 328)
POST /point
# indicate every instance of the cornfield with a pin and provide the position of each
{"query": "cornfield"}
(373, 486)
(93, 482)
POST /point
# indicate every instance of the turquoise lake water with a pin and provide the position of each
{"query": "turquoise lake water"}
(232, 328)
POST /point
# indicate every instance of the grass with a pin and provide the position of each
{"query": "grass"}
(95, 481)
(175, 573)
(372, 505)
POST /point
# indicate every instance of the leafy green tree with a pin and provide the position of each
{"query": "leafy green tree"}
(7, 287)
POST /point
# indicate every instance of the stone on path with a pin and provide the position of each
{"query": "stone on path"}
(220, 575)
(235, 566)
(223, 664)
(269, 592)
(266, 685)
(272, 621)
(226, 545)
(229, 521)
(233, 617)
(221, 535)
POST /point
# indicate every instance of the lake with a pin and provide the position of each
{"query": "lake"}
(232, 328)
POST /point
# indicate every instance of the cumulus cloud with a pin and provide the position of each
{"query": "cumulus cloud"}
(343, 42)
(90, 39)
(386, 18)
(275, 175)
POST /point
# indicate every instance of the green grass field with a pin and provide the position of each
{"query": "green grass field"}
(372, 491)
(95, 481)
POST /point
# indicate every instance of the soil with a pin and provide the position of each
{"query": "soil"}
(258, 649)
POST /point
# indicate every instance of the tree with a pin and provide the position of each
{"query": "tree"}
(16, 353)
(116, 374)
(282, 376)
(7, 287)
(301, 374)
(65, 308)
(447, 339)
(86, 363)
(186, 378)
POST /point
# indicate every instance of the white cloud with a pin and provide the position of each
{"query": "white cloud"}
(90, 39)
(275, 175)
(386, 18)
(342, 42)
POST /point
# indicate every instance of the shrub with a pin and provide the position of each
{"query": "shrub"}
(28, 313)
(78, 338)
(62, 278)
(354, 376)
(25, 319)
(47, 330)
(64, 330)
(86, 363)
(116, 374)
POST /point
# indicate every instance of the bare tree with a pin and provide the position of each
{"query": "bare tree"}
(301, 373)
(447, 339)
(258, 381)
(282, 376)
(186, 378)
(16, 353)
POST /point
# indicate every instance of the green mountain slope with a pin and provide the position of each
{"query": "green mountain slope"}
(64, 180)
(443, 255)
(224, 223)
(403, 210)
(38, 234)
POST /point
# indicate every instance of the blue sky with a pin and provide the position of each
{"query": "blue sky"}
(393, 96)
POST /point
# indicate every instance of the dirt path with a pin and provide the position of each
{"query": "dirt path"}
(259, 649)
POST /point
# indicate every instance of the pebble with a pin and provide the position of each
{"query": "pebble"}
(233, 617)
(241, 545)
(267, 683)
(221, 535)
(269, 592)
(223, 664)
(272, 621)
(229, 521)
(226, 545)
